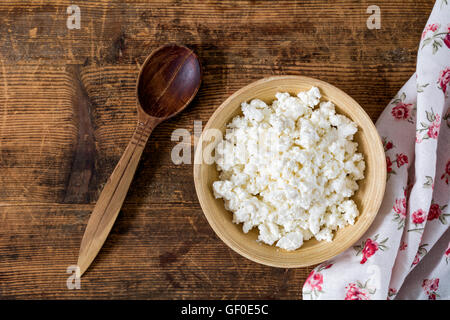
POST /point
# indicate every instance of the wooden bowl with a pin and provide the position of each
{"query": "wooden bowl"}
(368, 198)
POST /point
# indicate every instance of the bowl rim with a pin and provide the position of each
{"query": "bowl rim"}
(232, 243)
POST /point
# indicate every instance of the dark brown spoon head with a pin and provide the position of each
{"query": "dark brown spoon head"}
(168, 81)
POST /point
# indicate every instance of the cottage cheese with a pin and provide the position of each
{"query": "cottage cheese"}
(289, 169)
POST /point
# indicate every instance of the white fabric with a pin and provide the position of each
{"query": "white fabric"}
(405, 254)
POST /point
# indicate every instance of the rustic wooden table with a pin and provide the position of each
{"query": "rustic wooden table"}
(68, 109)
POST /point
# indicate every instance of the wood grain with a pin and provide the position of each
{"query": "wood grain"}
(161, 245)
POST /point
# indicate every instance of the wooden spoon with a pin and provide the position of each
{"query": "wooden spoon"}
(167, 83)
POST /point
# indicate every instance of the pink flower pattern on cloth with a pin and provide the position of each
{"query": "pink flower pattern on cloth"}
(405, 254)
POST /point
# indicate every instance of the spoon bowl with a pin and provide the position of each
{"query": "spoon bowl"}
(168, 81)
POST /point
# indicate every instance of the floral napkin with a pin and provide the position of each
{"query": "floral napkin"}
(405, 254)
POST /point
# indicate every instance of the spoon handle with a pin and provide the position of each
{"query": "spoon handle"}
(113, 194)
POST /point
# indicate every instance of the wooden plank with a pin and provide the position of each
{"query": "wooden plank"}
(161, 246)
(181, 259)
